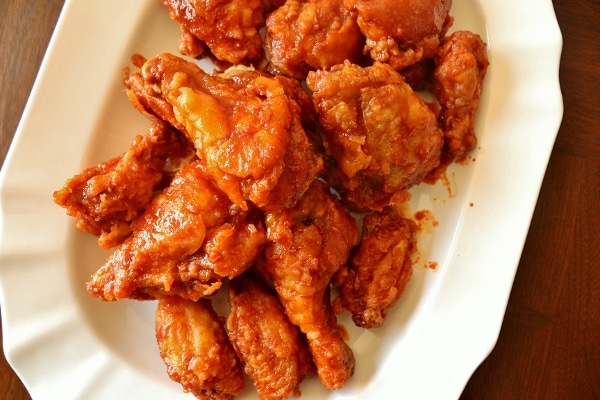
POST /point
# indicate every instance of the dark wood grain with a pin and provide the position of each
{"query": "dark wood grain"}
(549, 344)
(25, 30)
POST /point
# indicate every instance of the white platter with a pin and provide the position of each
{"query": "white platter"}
(65, 344)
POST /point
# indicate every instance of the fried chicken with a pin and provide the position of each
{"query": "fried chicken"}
(229, 28)
(304, 35)
(171, 229)
(106, 199)
(380, 269)
(194, 346)
(229, 249)
(274, 353)
(309, 245)
(246, 131)
(401, 32)
(461, 65)
(382, 135)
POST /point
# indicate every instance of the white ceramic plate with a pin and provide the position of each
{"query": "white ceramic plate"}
(65, 344)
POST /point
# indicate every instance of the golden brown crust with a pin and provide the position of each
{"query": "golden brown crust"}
(274, 353)
(106, 199)
(194, 346)
(401, 33)
(310, 244)
(461, 65)
(170, 229)
(380, 269)
(229, 28)
(381, 134)
(306, 35)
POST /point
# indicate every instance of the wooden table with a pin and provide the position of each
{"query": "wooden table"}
(549, 345)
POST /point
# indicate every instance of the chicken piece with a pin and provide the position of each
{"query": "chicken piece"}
(229, 249)
(244, 127)
(310, 244)
(106, 199)
(194, 346)
(190, 45)
(170, 229)
(380, 269)
(461, 65)
(274, 353)
(304, 35)
(401, 32)
(228, 27)
(381, 134)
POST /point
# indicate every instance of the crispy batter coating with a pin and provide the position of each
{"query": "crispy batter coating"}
(310, 243)
(304, 35)
(382, 135)
(229, 249)
(401, 32)
(380, 269)
(190, 45)
(229, 28)
(274, 353)
(461, 65)
(170, 229)
(247, 131)
(194, 346)
(106, 199)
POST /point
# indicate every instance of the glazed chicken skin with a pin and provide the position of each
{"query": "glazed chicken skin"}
(461, 65)
(247, 131)
(193, 344)
(309, 245)
(401, 33)
(171, 229)
(106, 199)
(229, 28)
(274, 353)
(380, 269)
(304, 35)
(381, 134)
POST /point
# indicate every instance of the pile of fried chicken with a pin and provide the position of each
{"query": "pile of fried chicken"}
(251, 178)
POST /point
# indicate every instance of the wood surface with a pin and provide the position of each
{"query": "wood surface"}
(549, 344)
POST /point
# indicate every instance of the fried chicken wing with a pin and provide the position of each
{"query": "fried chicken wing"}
(170, 229)
(403, 32)
(304, 35)
(246, 131)
(194, 346)
(229, 28)
(106, 199)
(310, 243)
(382, 135)
(274, 354)
(461, 65)
(380, 269)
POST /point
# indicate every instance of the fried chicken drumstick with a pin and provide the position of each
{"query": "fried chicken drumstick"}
(309, 244)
